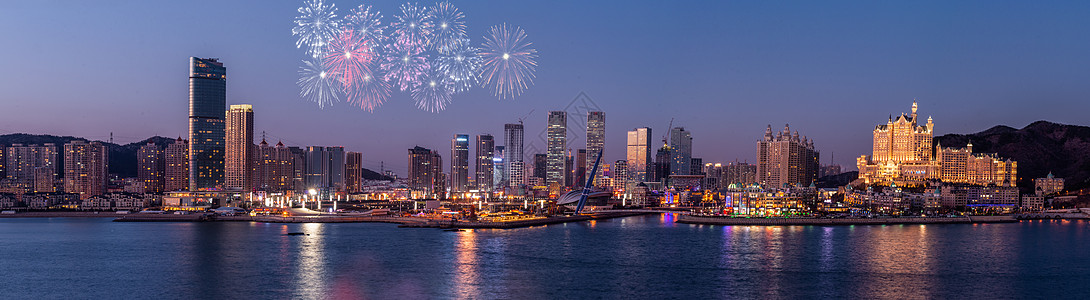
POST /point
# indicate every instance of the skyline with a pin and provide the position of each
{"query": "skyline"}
(916, 53)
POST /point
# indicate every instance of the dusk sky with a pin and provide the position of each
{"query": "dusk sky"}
(722, 70)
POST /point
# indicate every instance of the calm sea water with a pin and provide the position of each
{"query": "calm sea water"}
(635, 258)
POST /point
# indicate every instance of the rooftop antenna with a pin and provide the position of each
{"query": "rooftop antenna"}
(111, 137)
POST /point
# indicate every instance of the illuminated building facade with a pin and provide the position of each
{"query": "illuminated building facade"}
(681, 151)
(786, 159)
(619, 176)
(273, 168)
(32, 168)
(239, 147)
(207, 100)
(85, 168)
(1048, 185)
(425, 171)
(150, 167)
(513, 156)
(353, 171)
(555, 157)
(596, 142)
(638, 156)
(459, 163)
(484, 171)
(903, 154)
(176, 170)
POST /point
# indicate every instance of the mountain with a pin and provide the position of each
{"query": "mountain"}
(839, 180)
(1039, 148)
(122, 157)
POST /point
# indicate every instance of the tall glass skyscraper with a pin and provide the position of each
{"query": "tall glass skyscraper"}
(459, 163)
(557, 138)
(596, 142)
(207, 107)
(639, 156)
(681, 147)
(484, 177)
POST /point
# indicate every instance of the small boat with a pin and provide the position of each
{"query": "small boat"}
(297, 233)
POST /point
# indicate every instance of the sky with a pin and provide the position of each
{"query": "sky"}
(724, 70)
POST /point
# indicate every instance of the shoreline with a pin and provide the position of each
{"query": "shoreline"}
(717, 220)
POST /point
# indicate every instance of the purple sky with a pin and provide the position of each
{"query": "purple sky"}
(723, 70)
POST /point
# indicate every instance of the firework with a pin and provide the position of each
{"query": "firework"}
(315, 26)
(318, 84)
(349, 56)
(367, 24)
(434, 92)
(405, 65)
(413, 26)
(509, 62)
(369, 92)
(460, 66)
(448, 27)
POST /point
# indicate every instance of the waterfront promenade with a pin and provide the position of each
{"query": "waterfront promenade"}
(724, 220)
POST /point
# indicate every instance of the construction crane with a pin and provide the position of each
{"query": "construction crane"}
(524, 116)
(666, 136)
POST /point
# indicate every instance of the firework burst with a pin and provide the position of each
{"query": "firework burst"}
(448, 27)
(413, 26)
(315, 26)
(369, 92)
(367, 24)
(349, 56)
(434, 92)
(460, 66)
(318, 84)
(405, 65)
(509, 61)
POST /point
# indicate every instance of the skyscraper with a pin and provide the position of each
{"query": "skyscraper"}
(485, 147)
(580, 168)
(459, 163)
(85, 168)
(176, 157)
(207, 100)
(513, 157)
(620, 175)
(540, 166)
(353, 171)
(273, 167)
(150, 167)
(425, 171)
(325, 168)
(786, 159)
(638, 156)
(681, 151)
(596, 141)
(240, 147)
(557, 131)
(499, 168)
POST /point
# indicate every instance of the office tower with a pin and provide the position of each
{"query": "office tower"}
(176, 173)
(596, 141)
(569, 175)
(620, 175)
(207, 100)
(325, 168)
(353, 172)
(580, 168)
(425, 171)
(513, 157)
(638, 156)
(483, 172)
(557, 131)
(85, 168)
(239, 155)
(32, 168)
(459, 163)
(786, 159)
(499, 168)
(541, 162)
(150, 167)
(681, 148)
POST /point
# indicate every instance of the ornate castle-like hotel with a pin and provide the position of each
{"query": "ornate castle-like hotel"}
(903, 154)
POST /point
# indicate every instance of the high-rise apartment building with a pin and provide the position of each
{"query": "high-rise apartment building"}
(426, 171)
(325, 168)
(596, 142)
(513, 156)
(353, 172)
(681, 151)
(620, 175)
(484, 168)
(558, 142)
(786, 159)
(239, 155)
(207, 100)
(85, 168)
(273, 168)
(459, 163)
(150, 167)
(32, 168)
(738, 173)
(638, 156)
(176, 170)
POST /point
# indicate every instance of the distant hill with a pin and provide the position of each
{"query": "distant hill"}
(122, 157)
(839, 180)
(1039, 148)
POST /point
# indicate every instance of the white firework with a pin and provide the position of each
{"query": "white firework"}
(367, 24)
(509, 61)
(460, 65)
(317, 83)
(316, 25)
(413, 26)
(434, 92)
(448, 27)
(405, 65)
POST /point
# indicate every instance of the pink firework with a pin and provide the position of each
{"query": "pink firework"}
(349, 56)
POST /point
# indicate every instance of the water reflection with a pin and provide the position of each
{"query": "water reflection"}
(310, 272)
(467, 276)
